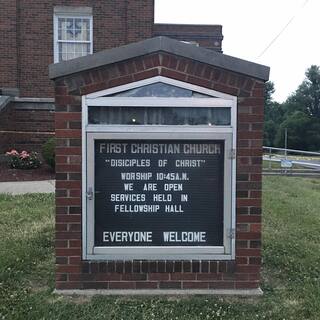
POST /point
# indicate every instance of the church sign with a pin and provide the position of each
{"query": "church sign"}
(158, 184)
(159, 173)
(158, 193)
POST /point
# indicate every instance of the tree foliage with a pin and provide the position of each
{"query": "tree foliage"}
(308, 93)
(299, 114)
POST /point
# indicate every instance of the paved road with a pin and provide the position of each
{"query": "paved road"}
(22, 187)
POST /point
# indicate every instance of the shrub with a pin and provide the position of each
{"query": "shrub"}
(48, 152)
(23, 160)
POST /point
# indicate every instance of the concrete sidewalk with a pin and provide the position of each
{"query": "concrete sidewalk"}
(22, 187)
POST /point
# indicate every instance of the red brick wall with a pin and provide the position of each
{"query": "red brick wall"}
(30, 29)
(140, 16)
(25, 129)
(207, 36)
(244, 272)
(8, 48)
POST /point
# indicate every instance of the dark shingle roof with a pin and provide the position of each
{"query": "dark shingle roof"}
(159, 44)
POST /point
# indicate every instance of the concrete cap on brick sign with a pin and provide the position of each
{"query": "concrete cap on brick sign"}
(159, 44)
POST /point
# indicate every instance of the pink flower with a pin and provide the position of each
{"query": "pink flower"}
(13, 152)
(24, 155)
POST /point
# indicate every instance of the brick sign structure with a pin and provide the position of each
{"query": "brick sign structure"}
(158, 169)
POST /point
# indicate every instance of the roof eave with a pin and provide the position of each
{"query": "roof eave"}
(159, 44)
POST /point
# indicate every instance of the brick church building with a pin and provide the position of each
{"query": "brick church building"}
(35, 34)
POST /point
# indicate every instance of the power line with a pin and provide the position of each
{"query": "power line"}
(282, 30)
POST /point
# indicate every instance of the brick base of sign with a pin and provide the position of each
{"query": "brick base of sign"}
(241, 273)
(158, 275)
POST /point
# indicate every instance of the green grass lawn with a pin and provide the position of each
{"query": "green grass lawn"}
(291, 272)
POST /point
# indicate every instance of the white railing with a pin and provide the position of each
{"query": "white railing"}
(298, 160)
(292, 151)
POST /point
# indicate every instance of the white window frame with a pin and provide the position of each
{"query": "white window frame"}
(90, 132)
(56, 42)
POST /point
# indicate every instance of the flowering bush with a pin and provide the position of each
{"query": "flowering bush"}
(23, 160)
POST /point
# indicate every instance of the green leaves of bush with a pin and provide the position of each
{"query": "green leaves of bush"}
(48, 152)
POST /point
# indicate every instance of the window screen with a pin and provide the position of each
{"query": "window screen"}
(160, 89)
(159, 116)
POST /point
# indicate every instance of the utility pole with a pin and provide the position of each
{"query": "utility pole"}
(285, 147)
(285, 142)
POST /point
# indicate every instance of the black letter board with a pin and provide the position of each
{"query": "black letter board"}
(159, 192)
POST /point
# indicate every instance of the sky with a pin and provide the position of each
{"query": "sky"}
(250, 26)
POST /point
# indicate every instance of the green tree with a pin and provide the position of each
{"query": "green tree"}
(303, 132)
(296, 124)
(270, 131)
(300, 114)
(273, 115)
(308, 93)
(268, 92)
